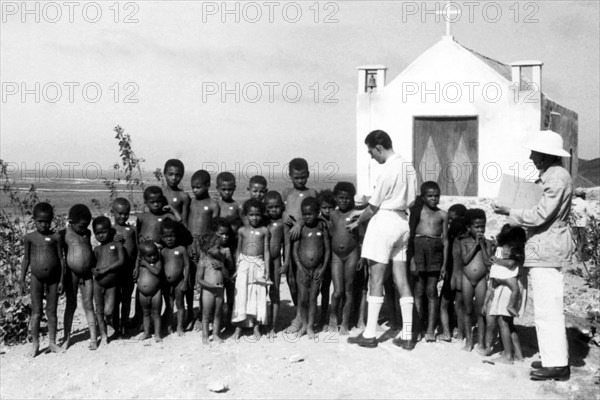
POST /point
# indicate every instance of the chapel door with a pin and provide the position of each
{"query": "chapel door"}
(446, 151)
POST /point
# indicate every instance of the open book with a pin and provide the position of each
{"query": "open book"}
(517, 193)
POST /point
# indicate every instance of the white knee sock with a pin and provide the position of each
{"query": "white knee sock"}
(373, 308)
(406, 306)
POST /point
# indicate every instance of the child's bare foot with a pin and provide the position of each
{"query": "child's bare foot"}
(446, 337)
(218, 339)
(295, 326)
(180, 331)
(236, 335)
(66, 343)
(146, 336)
(271, 334)
(501, 359)
(311, 333)
(430, 337)
(93, 345)
(483, 351)
(257, 334)
(205, 338)
(512, 311)
(361, 325)
(344, 330)
(104, 340)
(468, 345)
(332, 327)
(54, 348)
(35, 348)
(302, 331)
(157, 339)
(170, 330)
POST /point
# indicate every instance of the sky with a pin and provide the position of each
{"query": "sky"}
(247, 86)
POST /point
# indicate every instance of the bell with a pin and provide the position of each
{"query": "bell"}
(371, 83)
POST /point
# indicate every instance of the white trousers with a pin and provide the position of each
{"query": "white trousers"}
(547, 288)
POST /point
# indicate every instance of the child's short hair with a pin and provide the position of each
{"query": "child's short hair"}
(345, 187)
(298, 164)
(326, 196)
(173, 162)
(169, 225)
(310, 202)
(43, 208)
(472, 214)
(514, 237)
(459, 209)
(457, 227)
(80, 212)
(152, 191)
(225, 176)
(219, 223)
(122, 201)
(253, 203)
(203, 176)
(258, 179)
(273, 195)
(425, 186)
(101, 221)
(147, 247)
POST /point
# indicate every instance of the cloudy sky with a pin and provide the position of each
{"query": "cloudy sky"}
(257, 83)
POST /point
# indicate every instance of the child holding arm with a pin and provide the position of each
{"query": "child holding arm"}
(43, 253)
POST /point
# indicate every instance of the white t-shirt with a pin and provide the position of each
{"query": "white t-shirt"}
(396, 185)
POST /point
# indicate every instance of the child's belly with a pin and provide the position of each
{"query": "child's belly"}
(45, 264)
(173, 271)
(108, 280)
(148, 283)
(343, 245)
(213, 276)
(79, 258)
(475, 271)
(311, 256)
(275, 250)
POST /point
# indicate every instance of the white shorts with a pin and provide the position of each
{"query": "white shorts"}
(386, 237)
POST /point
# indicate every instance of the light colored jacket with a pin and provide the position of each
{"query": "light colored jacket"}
(549, 241)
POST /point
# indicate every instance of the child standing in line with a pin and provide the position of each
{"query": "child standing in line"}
(43, 252)
(279, 250)
(230, 209)
(148, 223)
(293, 197)
(327, 205)
(456, 227)
(475, 251)
(253, 264)
(257, 187)
(345, 257)
(177, 269)
(80, 261)
(503, 298)
(126, 234)
(430, 252)
(110, 259)
(203, 209)
(311, 252)
(149, 285)
(178, 199)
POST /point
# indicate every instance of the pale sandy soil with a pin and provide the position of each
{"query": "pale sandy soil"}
(183, 367)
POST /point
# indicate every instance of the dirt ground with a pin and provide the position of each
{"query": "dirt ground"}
(183, 367)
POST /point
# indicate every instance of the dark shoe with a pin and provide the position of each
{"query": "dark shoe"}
(405, 344)
(547, 373)
(536, 365)
(363, 341)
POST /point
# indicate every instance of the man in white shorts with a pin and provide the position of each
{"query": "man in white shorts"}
(386, 238)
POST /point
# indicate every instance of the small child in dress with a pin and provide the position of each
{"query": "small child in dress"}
(509, 255)
(212, 275)
(345, 257)
(257, 187)
(148, 223)
(149, 285)
(430, 227)
(177, 198)
(253, 264)
(177, 269)
(311, 252)
(279, 250)
(127, 235)
(292, 198)
(503, 298)
(475, 251)
(110, 259)
(43, 252)
(80, 261)
(327, 204)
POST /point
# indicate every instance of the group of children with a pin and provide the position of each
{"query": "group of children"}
(234, 255)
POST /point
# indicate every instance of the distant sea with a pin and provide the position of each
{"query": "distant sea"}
(72, 188)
